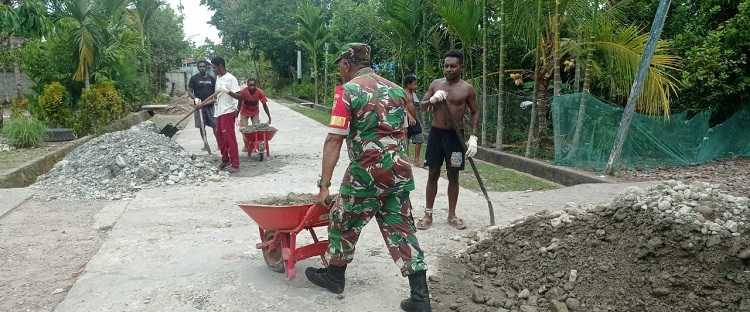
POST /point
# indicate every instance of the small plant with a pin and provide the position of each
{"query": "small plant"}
(23, 132)
(53, 106)
(19, 107)
(100, 105)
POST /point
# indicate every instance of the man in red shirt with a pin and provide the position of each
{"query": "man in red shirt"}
(249, 108)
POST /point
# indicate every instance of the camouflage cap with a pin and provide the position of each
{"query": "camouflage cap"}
(356, 52)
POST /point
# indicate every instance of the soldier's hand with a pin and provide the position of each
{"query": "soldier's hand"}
(322, 196)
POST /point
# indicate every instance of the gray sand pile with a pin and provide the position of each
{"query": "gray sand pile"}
(118, 164)
(673, 247)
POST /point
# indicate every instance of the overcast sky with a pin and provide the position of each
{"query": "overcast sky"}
(196, 21)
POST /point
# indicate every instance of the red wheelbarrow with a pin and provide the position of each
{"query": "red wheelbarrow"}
(254, 137)
(279, 226)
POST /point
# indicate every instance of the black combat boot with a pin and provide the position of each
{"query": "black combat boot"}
(420, 295)
(331, 278)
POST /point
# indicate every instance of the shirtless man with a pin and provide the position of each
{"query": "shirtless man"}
(443, 143)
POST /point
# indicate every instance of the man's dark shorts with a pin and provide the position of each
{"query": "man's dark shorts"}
(444, 145)
(208, 117)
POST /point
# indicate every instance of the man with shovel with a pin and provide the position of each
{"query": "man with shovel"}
(444, 144)
(202, 86)
(370, 115)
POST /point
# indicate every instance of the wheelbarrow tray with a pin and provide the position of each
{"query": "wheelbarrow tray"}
(279, 226)
(259, 135)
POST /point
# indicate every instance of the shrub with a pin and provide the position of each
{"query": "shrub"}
(24, 132)
(53, 106)
(19, 108)
(304, 90)
(99, 105)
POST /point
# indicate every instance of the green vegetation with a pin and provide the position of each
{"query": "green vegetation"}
(24, 132)
(54, 106)
(68, 47)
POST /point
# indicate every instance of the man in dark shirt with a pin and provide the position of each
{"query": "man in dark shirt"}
(202, 86)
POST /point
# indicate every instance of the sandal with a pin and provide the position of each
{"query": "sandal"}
(425, 222)
(457, 223)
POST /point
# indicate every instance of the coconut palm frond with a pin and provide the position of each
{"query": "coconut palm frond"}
(462, 18)
(622, 51)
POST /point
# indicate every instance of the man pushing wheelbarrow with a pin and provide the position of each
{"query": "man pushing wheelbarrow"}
(370, 114)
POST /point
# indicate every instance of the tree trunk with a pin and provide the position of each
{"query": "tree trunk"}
(577, 82)
(315, 74)
(583, 101)
(635, 91)
(16, 44)
(556, 49)
(501, 79)
(484, 73)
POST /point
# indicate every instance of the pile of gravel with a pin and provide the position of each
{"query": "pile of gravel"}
(673, 247)
(258, 127)
(116, 165)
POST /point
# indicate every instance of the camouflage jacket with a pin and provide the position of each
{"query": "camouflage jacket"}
(371, 112)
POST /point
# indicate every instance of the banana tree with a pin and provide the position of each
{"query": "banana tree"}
(141, 17)
(311, 34)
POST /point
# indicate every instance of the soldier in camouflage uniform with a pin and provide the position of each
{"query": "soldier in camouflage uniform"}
(369, 113)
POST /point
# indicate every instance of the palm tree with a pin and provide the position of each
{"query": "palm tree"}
(80, 15)
(141, 17)
(463, 19)
(404, 20)
(501, 78)
(312, 34)
(618, 45)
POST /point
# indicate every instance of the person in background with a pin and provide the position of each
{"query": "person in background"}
(250, 98)
(200, 87)
(414, 131)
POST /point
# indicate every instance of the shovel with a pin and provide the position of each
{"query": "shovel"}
(169, 130)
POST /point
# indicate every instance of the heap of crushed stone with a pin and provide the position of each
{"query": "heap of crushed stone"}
(673, 247)
(116, 165)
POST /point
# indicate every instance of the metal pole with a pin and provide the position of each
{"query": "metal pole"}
(635, 90)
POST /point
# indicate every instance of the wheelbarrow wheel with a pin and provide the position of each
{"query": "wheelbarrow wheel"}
(272, 254)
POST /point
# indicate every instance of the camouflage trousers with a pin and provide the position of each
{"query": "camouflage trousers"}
(349, 215)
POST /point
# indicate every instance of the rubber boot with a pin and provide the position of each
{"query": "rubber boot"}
(420, 295)
(331, 278)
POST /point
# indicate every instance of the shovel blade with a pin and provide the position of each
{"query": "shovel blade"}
(169, 130)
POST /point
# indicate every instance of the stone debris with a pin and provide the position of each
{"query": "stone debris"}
(5, 145)
(258, 127)
(672, 247)
(116, 165)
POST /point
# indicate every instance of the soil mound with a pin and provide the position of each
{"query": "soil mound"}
(673, 247)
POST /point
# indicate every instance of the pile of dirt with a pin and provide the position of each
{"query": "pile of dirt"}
(286, 200)
(116, 165)
(258, 127)
(673, 247)
(732, 175)
(179, 105)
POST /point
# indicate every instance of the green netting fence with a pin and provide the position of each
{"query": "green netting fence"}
(651, 142)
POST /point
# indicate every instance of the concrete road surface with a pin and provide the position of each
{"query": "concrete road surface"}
(189, 248)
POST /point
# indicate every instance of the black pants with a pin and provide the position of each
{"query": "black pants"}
(444, 145)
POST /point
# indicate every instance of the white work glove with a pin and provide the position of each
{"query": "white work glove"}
(471, 146)
(439, 96)
(197, 101)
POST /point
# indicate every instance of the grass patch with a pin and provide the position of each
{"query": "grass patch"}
(496, 178)
(314, 114)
